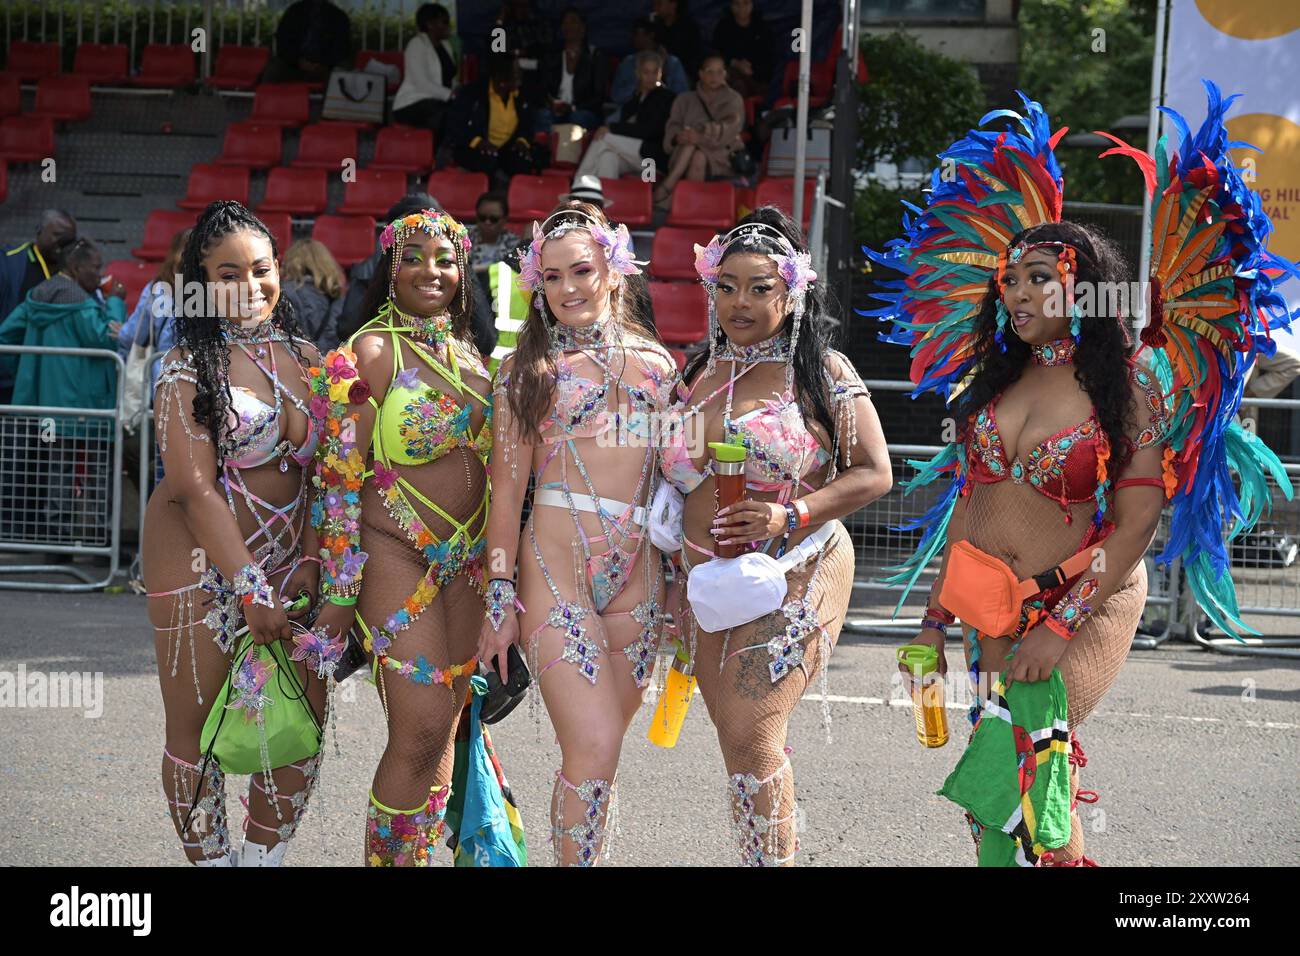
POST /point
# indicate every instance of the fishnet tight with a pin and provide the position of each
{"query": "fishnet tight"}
(751, 714)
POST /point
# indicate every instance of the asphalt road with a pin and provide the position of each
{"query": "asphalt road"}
(1194, 754)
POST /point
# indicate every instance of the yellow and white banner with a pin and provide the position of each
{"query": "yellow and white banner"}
(1250, 47)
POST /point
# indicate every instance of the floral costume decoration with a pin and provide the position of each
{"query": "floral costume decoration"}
(415, 424)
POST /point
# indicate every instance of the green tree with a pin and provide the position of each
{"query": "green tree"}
(915, 102)
(1089, 63)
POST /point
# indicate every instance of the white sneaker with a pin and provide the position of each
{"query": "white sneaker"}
(256, 854)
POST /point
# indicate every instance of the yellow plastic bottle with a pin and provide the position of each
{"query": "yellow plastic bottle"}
(927, 693)
(666, 723)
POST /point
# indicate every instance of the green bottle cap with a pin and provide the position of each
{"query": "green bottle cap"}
(920, 659)
(725, 451)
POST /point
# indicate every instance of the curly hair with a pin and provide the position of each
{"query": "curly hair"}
(811, 388)
(532, 374)
(1099, 360)
(200, 333)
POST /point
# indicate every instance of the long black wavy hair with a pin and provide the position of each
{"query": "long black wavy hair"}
(1099, 360)
(810, 385)
(199, 332)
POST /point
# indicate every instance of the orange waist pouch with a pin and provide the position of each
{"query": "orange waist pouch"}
(987, 595)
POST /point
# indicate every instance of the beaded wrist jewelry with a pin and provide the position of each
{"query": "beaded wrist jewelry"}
(252, 587)
(499, 596)
(939, 626)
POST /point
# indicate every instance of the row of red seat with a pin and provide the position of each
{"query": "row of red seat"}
(171, 64)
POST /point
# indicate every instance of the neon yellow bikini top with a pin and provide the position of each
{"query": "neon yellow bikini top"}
(417, 423)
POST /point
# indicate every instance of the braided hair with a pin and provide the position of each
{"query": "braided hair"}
(200, 333)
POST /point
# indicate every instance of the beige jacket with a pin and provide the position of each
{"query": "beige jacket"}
(720, 125)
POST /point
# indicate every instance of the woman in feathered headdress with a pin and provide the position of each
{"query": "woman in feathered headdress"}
(1068, 448)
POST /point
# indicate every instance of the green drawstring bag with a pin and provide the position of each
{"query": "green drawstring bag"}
(293, 732)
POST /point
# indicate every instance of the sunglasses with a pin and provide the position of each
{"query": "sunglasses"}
(492, 219)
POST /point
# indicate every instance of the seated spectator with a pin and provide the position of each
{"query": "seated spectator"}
(24, 267)
(745, 42)
(678, 32)
(625, 84)
(429, 77)
(528, 36)
(313, 37)
(153, 321)
(313, 282)
(490, 241)
(638, 132)
(703, 130)
(574, 77)
(493, 131)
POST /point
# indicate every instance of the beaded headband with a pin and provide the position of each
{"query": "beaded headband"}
(616, 243)
(1067, 265)
(794, 267)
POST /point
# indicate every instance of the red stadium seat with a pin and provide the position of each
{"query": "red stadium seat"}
(280, 226)
(373, 194)
(299, 192)
(251, 144)
(33, 61)
(457, 190)
(238, 67)
(210, 182)
(680, 358)
(469, 68)
(166, 64)
(325, 146)
(672, 256)
(63, 98)
(533, 197)
(349, 238)
(404, 149)
(11, 95)
(779, 191)
(132, 273)
(281, 104)
(681, 311)
(821, 83)
(159, 229)
(391, 57)
(26, 139)
(703, 203)
(102, 63)
(4, 180)
(628, 201)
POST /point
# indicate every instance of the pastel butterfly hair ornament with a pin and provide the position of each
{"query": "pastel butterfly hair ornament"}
(615, 242)
(793, 266)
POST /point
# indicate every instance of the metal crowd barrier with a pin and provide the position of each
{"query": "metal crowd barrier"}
(1265, 585)
(61, 483)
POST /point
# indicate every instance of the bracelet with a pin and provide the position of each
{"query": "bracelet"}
(499, 595)
(349, 590)
(347, 601)
(791, 518)
(804, 515)
(939, 614)
(1061, 629)
(252, 587)
(939, 626)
